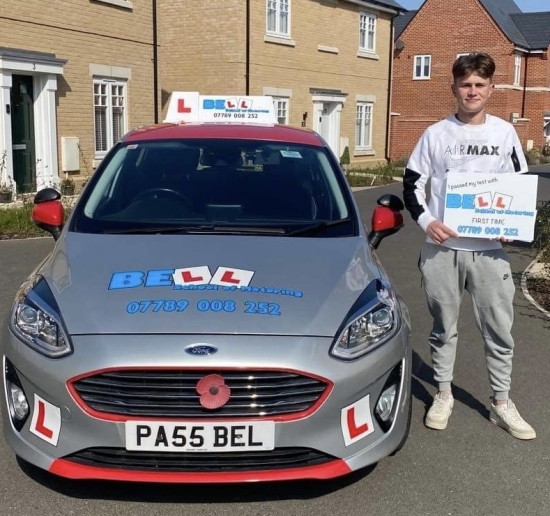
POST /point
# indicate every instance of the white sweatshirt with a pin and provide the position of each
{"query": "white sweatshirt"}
(452, 146)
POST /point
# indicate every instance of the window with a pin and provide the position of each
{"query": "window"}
(281, 110)
(278, 17)
(517, 70)
(367, 32)
(109, 113)
(363, 125)
(422, 67)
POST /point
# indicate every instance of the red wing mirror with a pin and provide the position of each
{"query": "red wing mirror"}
(387, 219)
(50, 216)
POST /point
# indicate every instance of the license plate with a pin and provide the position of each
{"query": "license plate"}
(205, 437)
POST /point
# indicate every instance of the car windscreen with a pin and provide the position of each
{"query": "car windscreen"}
(206, 185)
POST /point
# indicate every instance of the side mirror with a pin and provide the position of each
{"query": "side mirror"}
(387, 219)
(48, 213)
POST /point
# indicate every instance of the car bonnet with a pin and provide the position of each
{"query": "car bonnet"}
(201, 284)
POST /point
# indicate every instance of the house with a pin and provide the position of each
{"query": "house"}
(72, 80)
(327, 63)
(428, 41)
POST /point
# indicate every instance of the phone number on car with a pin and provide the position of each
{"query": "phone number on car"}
(235, 115)
(204, 305)
(490, 231)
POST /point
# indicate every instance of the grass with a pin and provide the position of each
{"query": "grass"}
(377, 176)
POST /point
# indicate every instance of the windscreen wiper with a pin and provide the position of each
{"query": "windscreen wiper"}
(198, 230)
(313, 229)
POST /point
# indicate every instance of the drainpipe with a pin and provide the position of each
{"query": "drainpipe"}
(155, 65)
(390, 82)
(247, 43)
(524, 87)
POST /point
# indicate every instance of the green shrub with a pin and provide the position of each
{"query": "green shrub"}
(542, 231)
(345, 158)
(400, 163)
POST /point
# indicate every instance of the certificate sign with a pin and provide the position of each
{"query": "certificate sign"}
(491, 205)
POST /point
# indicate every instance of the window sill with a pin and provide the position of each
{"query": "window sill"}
(421, 78)
(364, 152)
(97, 161)
(279, 40)
(126, 4)
(328, 50)
(368, 55)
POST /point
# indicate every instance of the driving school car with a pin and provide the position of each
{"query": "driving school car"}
(213, 310)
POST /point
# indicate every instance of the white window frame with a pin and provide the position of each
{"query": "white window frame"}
(424, 58)
(126, 4)
(281, 105)
(517, 69)
(109, 110)
(276, 13)
(367, 26)
(363, 137)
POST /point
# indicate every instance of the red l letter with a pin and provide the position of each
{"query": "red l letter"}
(228, 278)
(500, 203)
(41, 428)
(188, 277)
(354, 430)
(482, 203)
(182, 108)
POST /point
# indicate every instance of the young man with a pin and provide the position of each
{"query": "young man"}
(449, 264)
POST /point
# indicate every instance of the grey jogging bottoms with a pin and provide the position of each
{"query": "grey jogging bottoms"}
(487, 276)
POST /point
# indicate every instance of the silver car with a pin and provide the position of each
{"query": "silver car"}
(213, 311)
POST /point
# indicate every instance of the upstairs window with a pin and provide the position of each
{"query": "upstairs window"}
(109, 113)
(422, 67)
(367, 32)
(278, 18)
(517, 70)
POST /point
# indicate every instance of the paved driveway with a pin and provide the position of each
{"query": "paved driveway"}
(472, 468)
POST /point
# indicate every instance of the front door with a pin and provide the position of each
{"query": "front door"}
(22, 131)
(329, 125)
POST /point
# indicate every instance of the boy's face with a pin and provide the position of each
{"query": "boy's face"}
(472, 93)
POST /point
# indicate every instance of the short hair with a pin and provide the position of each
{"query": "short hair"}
(479, 63)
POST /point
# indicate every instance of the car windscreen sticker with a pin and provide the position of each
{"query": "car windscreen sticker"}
(290, 154)
(46, 421)
(356, 421)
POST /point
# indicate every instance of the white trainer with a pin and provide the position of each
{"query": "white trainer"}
(507, 416)
(440, 411)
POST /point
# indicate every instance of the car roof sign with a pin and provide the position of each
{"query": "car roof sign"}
(190, 106)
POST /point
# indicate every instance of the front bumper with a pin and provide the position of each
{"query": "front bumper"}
(323, 438)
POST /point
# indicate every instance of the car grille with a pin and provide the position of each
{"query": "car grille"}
(280, 458)
(173, 394)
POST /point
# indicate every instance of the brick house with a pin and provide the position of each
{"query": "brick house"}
(428, 41)
(327, 63)
(72, 80)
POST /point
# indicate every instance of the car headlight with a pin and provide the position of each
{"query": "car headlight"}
(372, 321)
(36, 321)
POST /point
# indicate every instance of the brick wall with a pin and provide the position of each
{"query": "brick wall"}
(86, 33)
(443, 29)
(205, 51)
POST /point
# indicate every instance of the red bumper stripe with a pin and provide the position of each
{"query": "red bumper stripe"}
(67, 469)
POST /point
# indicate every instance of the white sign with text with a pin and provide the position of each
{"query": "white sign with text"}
(491, 205)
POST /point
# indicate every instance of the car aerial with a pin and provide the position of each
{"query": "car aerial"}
(213, 310)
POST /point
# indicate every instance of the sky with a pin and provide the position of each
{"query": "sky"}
(525, 5)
